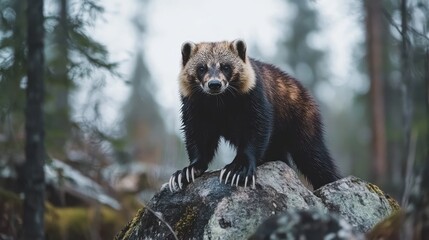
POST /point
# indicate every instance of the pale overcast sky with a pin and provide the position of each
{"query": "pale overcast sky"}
(171, 22)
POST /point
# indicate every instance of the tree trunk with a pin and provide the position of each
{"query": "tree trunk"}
(406, 85)
(375, 65)
(34, 184)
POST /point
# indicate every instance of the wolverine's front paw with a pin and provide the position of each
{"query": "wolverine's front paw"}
(183, 177)
(239, 173)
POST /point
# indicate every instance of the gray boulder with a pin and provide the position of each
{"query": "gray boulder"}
(360, 203)
(208, 209)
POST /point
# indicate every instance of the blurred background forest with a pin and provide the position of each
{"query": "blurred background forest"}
(111, 109)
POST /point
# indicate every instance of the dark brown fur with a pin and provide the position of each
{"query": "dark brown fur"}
(259, 109)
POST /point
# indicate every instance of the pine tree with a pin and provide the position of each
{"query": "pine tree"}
(34, 177)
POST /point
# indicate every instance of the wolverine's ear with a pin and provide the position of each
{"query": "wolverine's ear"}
(187, 50)
(240, 47)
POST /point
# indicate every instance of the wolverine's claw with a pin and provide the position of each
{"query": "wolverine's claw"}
(227, 176)
(181, 178)
(174, 183)
(221, 174)
(169, 184)
(233, 178)
(192, 173)
(249, 181)
(179, 181)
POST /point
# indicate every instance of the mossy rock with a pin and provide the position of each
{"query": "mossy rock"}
(392, 202)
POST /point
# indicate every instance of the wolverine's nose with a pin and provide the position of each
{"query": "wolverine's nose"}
(215, 84)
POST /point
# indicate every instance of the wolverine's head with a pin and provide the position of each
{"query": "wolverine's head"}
(215, 68)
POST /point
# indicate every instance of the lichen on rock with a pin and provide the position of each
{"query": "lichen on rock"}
(184, 226)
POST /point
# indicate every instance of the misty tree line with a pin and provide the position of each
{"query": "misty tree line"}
(397, 46)
(394, 110)
(393, 59)
(71, 58)
(42, 57)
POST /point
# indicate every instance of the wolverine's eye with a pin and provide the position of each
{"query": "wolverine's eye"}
(226, 68)
(201, 70)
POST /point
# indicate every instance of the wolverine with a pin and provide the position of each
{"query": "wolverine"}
(263, 112)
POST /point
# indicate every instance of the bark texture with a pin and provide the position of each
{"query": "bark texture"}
(33, 174)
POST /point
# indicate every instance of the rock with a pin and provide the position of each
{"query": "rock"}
(361, 204)
(305, 224)
(207, 209)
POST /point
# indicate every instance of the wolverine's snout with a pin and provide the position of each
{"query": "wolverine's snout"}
(215, 85)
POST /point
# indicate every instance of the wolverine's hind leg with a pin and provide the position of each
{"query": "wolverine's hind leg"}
(313, 160)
